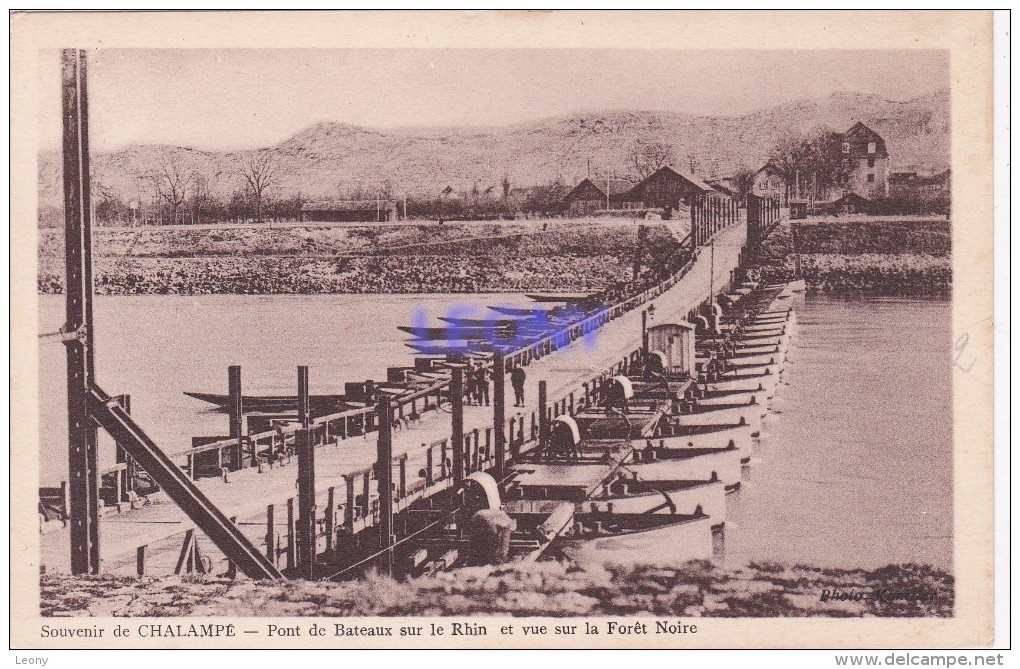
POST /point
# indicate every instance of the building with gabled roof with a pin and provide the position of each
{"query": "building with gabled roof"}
(669, 188)
(769, 182)
(868, 162)
(591, 195)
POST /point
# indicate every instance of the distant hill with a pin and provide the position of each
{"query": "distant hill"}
(423, 161)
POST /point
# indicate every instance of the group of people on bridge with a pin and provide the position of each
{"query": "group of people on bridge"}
(476, 386)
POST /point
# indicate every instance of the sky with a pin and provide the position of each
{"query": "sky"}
(244, 98)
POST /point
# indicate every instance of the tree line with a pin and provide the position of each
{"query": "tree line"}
(180, 195)
(812, 164)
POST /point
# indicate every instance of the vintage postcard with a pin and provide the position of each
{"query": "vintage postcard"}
(501, 330)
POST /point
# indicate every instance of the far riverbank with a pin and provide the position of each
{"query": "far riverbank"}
(561, 255)
(862, 255)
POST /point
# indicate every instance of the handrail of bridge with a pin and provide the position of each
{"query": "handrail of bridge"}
(551, 341)
(291, 429)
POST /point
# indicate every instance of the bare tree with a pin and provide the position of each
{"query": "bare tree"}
(692, 163)
(645, 159)
(107, 206)
(815, 159)
(259, 171)
(171, 182)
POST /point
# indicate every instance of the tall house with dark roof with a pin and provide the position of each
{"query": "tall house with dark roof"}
(865, 152)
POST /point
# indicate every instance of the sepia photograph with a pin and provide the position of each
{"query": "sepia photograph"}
(607, 339)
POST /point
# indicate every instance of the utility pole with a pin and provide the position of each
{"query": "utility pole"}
(639, 251)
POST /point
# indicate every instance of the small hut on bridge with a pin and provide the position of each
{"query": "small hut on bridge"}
(673, 345)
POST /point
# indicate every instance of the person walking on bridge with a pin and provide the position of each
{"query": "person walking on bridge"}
(517, 377)
(482, 384)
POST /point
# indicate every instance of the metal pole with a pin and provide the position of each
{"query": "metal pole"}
(307, 548)
(304, 402)
(638, 253)
(457, 414)
(384, 477)
(82, 437)
(499, 408)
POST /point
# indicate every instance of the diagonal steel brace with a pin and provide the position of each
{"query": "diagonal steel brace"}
(182, 490)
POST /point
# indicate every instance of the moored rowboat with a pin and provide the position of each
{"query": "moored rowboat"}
(666, 497)
(638, 538)
(710, 435)
(730, 381)
(749, 413)
(689, 464)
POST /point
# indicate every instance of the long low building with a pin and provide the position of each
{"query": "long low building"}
(339, 211)
(666, 188)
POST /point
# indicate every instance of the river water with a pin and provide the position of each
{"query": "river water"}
(854, 468)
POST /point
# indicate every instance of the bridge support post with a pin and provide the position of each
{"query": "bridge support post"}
(271, 534)
(543, 415)
(235, 408)
(457, 420)
(351, 502)
(499, 409)
(384, 478)
(330, 520)
(304, 400)
(127, 477)
(82, 435)
(306, 532)
(291, 535)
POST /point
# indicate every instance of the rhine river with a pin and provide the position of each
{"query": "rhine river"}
(853, 469)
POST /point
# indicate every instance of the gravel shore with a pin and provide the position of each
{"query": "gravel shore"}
(698, 589)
